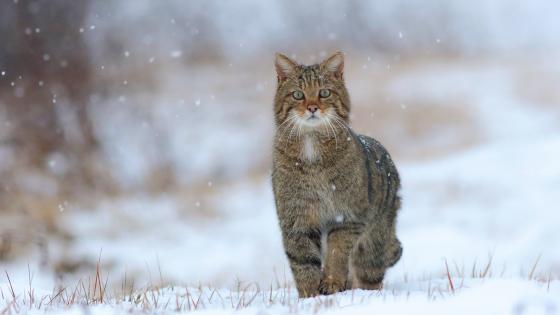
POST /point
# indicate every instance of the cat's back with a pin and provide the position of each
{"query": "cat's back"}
(384, 178)
(376, 152)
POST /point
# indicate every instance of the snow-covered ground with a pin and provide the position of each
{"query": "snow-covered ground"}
(488, 209)
(481, 296)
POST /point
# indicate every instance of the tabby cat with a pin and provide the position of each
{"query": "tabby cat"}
(336, 192)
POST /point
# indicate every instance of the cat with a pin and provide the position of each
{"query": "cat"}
(336, 192)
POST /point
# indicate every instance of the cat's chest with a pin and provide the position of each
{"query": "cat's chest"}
(325, 196)
(310, 149)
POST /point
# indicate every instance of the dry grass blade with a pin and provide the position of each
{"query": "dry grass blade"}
(56, 295)
(98, 282)
(451, 286)
(198, 300)
(86, 292)
(11, 286)
(487, 268)
(534, 267)
(548, 281)
(30, 282)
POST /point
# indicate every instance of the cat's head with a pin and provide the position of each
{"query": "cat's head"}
(311, 98)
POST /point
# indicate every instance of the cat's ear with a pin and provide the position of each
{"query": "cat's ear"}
(335, 64)
(284, 66)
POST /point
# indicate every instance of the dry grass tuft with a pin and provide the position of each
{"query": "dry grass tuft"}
(93, 291)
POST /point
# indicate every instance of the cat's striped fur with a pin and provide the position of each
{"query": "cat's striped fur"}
(336, 192)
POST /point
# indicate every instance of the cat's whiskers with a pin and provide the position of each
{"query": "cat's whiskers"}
(340, 122)
(294, 125)
(324, 125)
(328, 121)
(283, 129)
(290, 118)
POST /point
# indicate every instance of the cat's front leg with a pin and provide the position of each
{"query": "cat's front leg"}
(340, 242)
(303, 250)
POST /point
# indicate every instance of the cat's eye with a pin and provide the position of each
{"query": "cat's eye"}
(298, 95)
(324, 93)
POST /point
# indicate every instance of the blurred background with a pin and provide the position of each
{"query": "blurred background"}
(139, 133)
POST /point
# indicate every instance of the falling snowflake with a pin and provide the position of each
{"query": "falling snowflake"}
(339, 218)
(176, 54)
(63, 206)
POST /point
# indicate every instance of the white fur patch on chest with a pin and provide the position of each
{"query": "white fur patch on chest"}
(310, 149)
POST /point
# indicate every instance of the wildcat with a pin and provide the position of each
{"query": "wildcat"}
(336, 192)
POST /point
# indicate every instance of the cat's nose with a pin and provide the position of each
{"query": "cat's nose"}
(312, 108)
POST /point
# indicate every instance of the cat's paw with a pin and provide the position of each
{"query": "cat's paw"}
(330, 285)
(367, 285)
(308, 292)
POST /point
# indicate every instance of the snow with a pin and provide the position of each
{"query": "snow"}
(483, 296)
